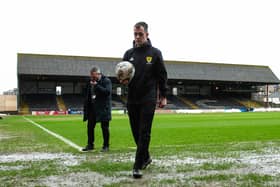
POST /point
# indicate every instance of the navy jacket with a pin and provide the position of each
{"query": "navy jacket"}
(102, 104)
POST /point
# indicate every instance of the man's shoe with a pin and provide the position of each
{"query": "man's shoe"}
(104, 149)
(88, 148)
(137, 174)
(146, 163)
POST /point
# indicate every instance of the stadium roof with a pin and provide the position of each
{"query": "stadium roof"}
(59, 65)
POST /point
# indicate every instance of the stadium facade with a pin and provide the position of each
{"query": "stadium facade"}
(57, 82)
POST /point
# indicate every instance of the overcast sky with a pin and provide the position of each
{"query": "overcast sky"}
(222, 31)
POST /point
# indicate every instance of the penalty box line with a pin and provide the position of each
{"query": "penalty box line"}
(65, 140)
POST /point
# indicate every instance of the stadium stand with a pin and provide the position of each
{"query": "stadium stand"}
(219, 102)
(248, 103)
(188, 102)
(117, 102)
(73, 101)
(173, 102)
(199, 84)
(40, 102)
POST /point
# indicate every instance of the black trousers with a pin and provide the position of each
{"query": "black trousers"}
(90, 131)
(141, 118)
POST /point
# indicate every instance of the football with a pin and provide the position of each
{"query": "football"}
(124, 71)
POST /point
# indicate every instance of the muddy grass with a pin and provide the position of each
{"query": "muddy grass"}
(81, 179)
(212, 171)
(3, 137)
(64, 158)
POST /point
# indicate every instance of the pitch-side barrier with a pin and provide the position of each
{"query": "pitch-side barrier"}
(177, 111)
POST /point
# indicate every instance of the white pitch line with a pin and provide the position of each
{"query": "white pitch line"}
(68, 142)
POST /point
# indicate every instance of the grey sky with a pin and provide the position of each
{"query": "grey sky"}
(222, 31)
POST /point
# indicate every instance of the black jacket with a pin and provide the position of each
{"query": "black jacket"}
(102, 104)
(150, 74)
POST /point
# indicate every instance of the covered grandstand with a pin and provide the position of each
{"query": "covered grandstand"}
(57, 82)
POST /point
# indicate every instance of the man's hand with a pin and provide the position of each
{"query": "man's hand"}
(162, 102)
(125, 81)
(93, 83)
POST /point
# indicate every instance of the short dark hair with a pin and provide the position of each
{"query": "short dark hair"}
(142, 24)
(95, 69)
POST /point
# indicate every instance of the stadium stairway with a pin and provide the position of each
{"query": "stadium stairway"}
(188, 102)
(24, 109)
(123, 98)
(60, 103)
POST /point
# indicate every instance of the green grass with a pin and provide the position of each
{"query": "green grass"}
(199, 136)
(176, 129)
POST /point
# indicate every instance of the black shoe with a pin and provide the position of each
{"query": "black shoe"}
(146, 163)
(137, 174)
(88, 148)
(104, 149)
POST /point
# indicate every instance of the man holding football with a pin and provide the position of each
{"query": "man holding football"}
(148, 85)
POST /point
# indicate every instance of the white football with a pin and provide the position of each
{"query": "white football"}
(124, 71)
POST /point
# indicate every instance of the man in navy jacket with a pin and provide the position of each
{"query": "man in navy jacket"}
(97, 107)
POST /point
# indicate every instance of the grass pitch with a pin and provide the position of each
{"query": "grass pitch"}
(223, 149)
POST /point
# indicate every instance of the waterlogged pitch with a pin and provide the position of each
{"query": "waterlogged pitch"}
(224, 149)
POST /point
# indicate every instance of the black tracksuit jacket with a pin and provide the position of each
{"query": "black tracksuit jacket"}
(150, 74)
